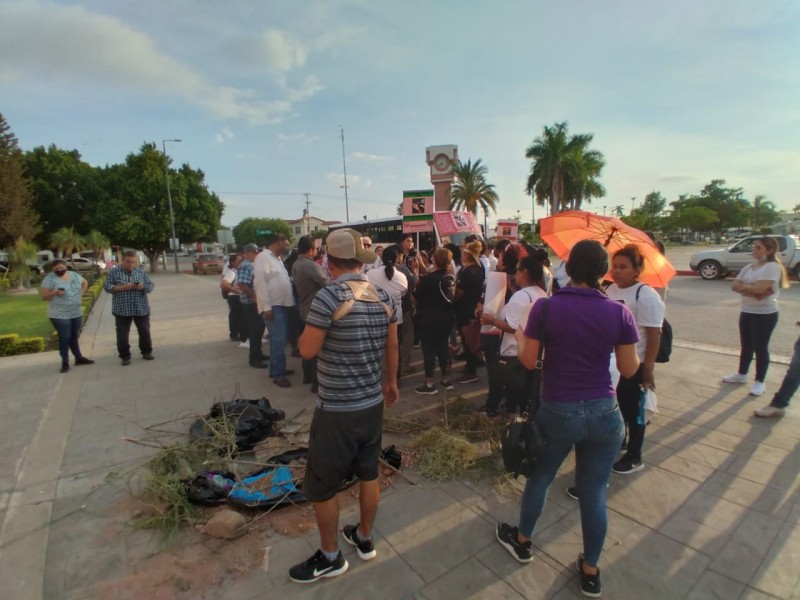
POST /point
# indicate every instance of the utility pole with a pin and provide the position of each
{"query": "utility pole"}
(307, 213)
(633, 203)
(169, 203)
(344, 168)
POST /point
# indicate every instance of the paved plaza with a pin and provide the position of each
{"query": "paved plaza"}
(715, 513)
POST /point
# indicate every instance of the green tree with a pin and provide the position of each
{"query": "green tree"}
(648, 215)
(470, 191)
(731, 208)
(18, 217)
(693, 218)
(66, 190)
(765, 213)
(245, 232)
(564, 172)
(67, 241)
(96, 242)
(18, 256)
(133, 210)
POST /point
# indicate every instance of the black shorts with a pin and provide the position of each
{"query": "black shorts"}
(341, 444)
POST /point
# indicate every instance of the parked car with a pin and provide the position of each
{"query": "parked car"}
(82, 265)
(715, 264)
(207, 263)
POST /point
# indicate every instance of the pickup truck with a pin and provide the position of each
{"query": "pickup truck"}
(715, 264)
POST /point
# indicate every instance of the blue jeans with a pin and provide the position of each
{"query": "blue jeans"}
(68, 332)
(791, 381)
(278, 328)
(596, 429)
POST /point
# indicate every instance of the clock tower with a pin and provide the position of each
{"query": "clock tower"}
(441, 159)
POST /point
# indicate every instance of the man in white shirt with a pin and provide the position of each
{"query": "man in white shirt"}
(274, 294)
(367, 243)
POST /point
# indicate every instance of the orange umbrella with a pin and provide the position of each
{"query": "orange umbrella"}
(562, 231)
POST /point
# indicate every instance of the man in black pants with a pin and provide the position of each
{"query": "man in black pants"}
(129, 285)
(247, 298)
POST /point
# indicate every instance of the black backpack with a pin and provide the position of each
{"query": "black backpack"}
(665, 343)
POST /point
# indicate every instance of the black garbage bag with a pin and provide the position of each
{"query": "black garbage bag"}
(392, 456)
(210, 488)
(253, 420)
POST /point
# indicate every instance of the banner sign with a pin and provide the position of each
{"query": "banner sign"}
(417, 211)
(507, 230)
(452, 222)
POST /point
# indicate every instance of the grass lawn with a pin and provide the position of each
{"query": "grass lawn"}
(25, 315)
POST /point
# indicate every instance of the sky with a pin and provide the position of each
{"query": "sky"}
(675, 93)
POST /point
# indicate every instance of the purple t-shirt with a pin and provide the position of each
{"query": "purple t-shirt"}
(581, 329)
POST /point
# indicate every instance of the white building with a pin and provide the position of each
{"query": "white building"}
(308, 225)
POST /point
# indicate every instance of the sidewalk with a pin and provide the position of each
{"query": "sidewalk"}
(715, 514)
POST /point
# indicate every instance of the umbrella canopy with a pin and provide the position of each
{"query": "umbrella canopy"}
(562, 231)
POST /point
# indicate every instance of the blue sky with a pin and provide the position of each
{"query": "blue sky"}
(676, 93)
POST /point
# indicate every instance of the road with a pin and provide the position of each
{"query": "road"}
(702, 312)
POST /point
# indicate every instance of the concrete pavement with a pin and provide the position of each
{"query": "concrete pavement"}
(715, 513)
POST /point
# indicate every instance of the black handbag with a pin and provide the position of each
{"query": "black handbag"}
(511, 372)
(521, 440)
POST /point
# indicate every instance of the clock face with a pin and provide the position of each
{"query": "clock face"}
(441, 163)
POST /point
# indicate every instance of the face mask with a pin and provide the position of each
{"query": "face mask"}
(60, 272)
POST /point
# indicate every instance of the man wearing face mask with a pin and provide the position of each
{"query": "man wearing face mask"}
(274, 295)
(129, 285)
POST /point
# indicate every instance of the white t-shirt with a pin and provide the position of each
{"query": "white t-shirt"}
(397, 287)
(648, 311)
(515, 313)
(753, 273)
(229, 275)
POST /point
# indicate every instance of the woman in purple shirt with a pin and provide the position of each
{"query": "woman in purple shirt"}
(579, 407)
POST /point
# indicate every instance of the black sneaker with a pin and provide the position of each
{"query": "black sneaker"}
(426, 390)
(626, 466)
(467, 378)
(318, 567)
(590, 584)
(64, 367)
(572, 492)
(507, 536)
(148, 356)
(447, 384)
(126, 361)
(366, 549)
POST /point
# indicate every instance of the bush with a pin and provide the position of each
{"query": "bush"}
(29, 345)
(7, 344)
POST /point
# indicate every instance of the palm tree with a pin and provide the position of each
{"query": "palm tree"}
(18, 256)
(96, 242)
(470, 190)
(66, 241)
(564, 171)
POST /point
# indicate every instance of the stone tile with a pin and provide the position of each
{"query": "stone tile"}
(685, 467)
(765, 499)
(728, 442)
(751, 594)
(469, 580)
(445, 543)
(542, 578)
(714, 585)
(752, 538)
(402, 517)
(704, 523)
(751, 468)
(650, 496)
(778, 574)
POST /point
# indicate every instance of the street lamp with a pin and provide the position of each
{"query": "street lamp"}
(169, 202)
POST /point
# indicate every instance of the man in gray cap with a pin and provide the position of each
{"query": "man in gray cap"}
(255, 324)
(351, 328)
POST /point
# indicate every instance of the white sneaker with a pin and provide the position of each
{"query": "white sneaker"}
(735, 378)
(769, 412)
(245, 344)
(757, 389)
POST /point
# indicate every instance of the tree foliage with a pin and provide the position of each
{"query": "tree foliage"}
(564, 172)
(648, 216)
(18, 217)
(470, 190)
(729, 205)
(245, 232)
(18, 256)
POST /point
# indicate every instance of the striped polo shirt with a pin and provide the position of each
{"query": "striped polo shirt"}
(350, 363)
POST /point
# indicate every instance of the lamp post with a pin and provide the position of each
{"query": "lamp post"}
(169, 202)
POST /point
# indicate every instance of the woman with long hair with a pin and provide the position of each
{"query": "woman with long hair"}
(391, 280)
(469, 288)
(648, 312)
(434, 297)
(759, 284)
(529, 276)
(579, 408)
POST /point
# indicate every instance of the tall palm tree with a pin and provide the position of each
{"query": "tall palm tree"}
(564, 171)
(470, 191)
(96, 242)
(66, 241)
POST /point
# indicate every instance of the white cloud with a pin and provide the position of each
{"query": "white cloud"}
(297, 138)
(353, 181)
(278, 51)
(224, 135)
(370, 157)
(70, 43)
